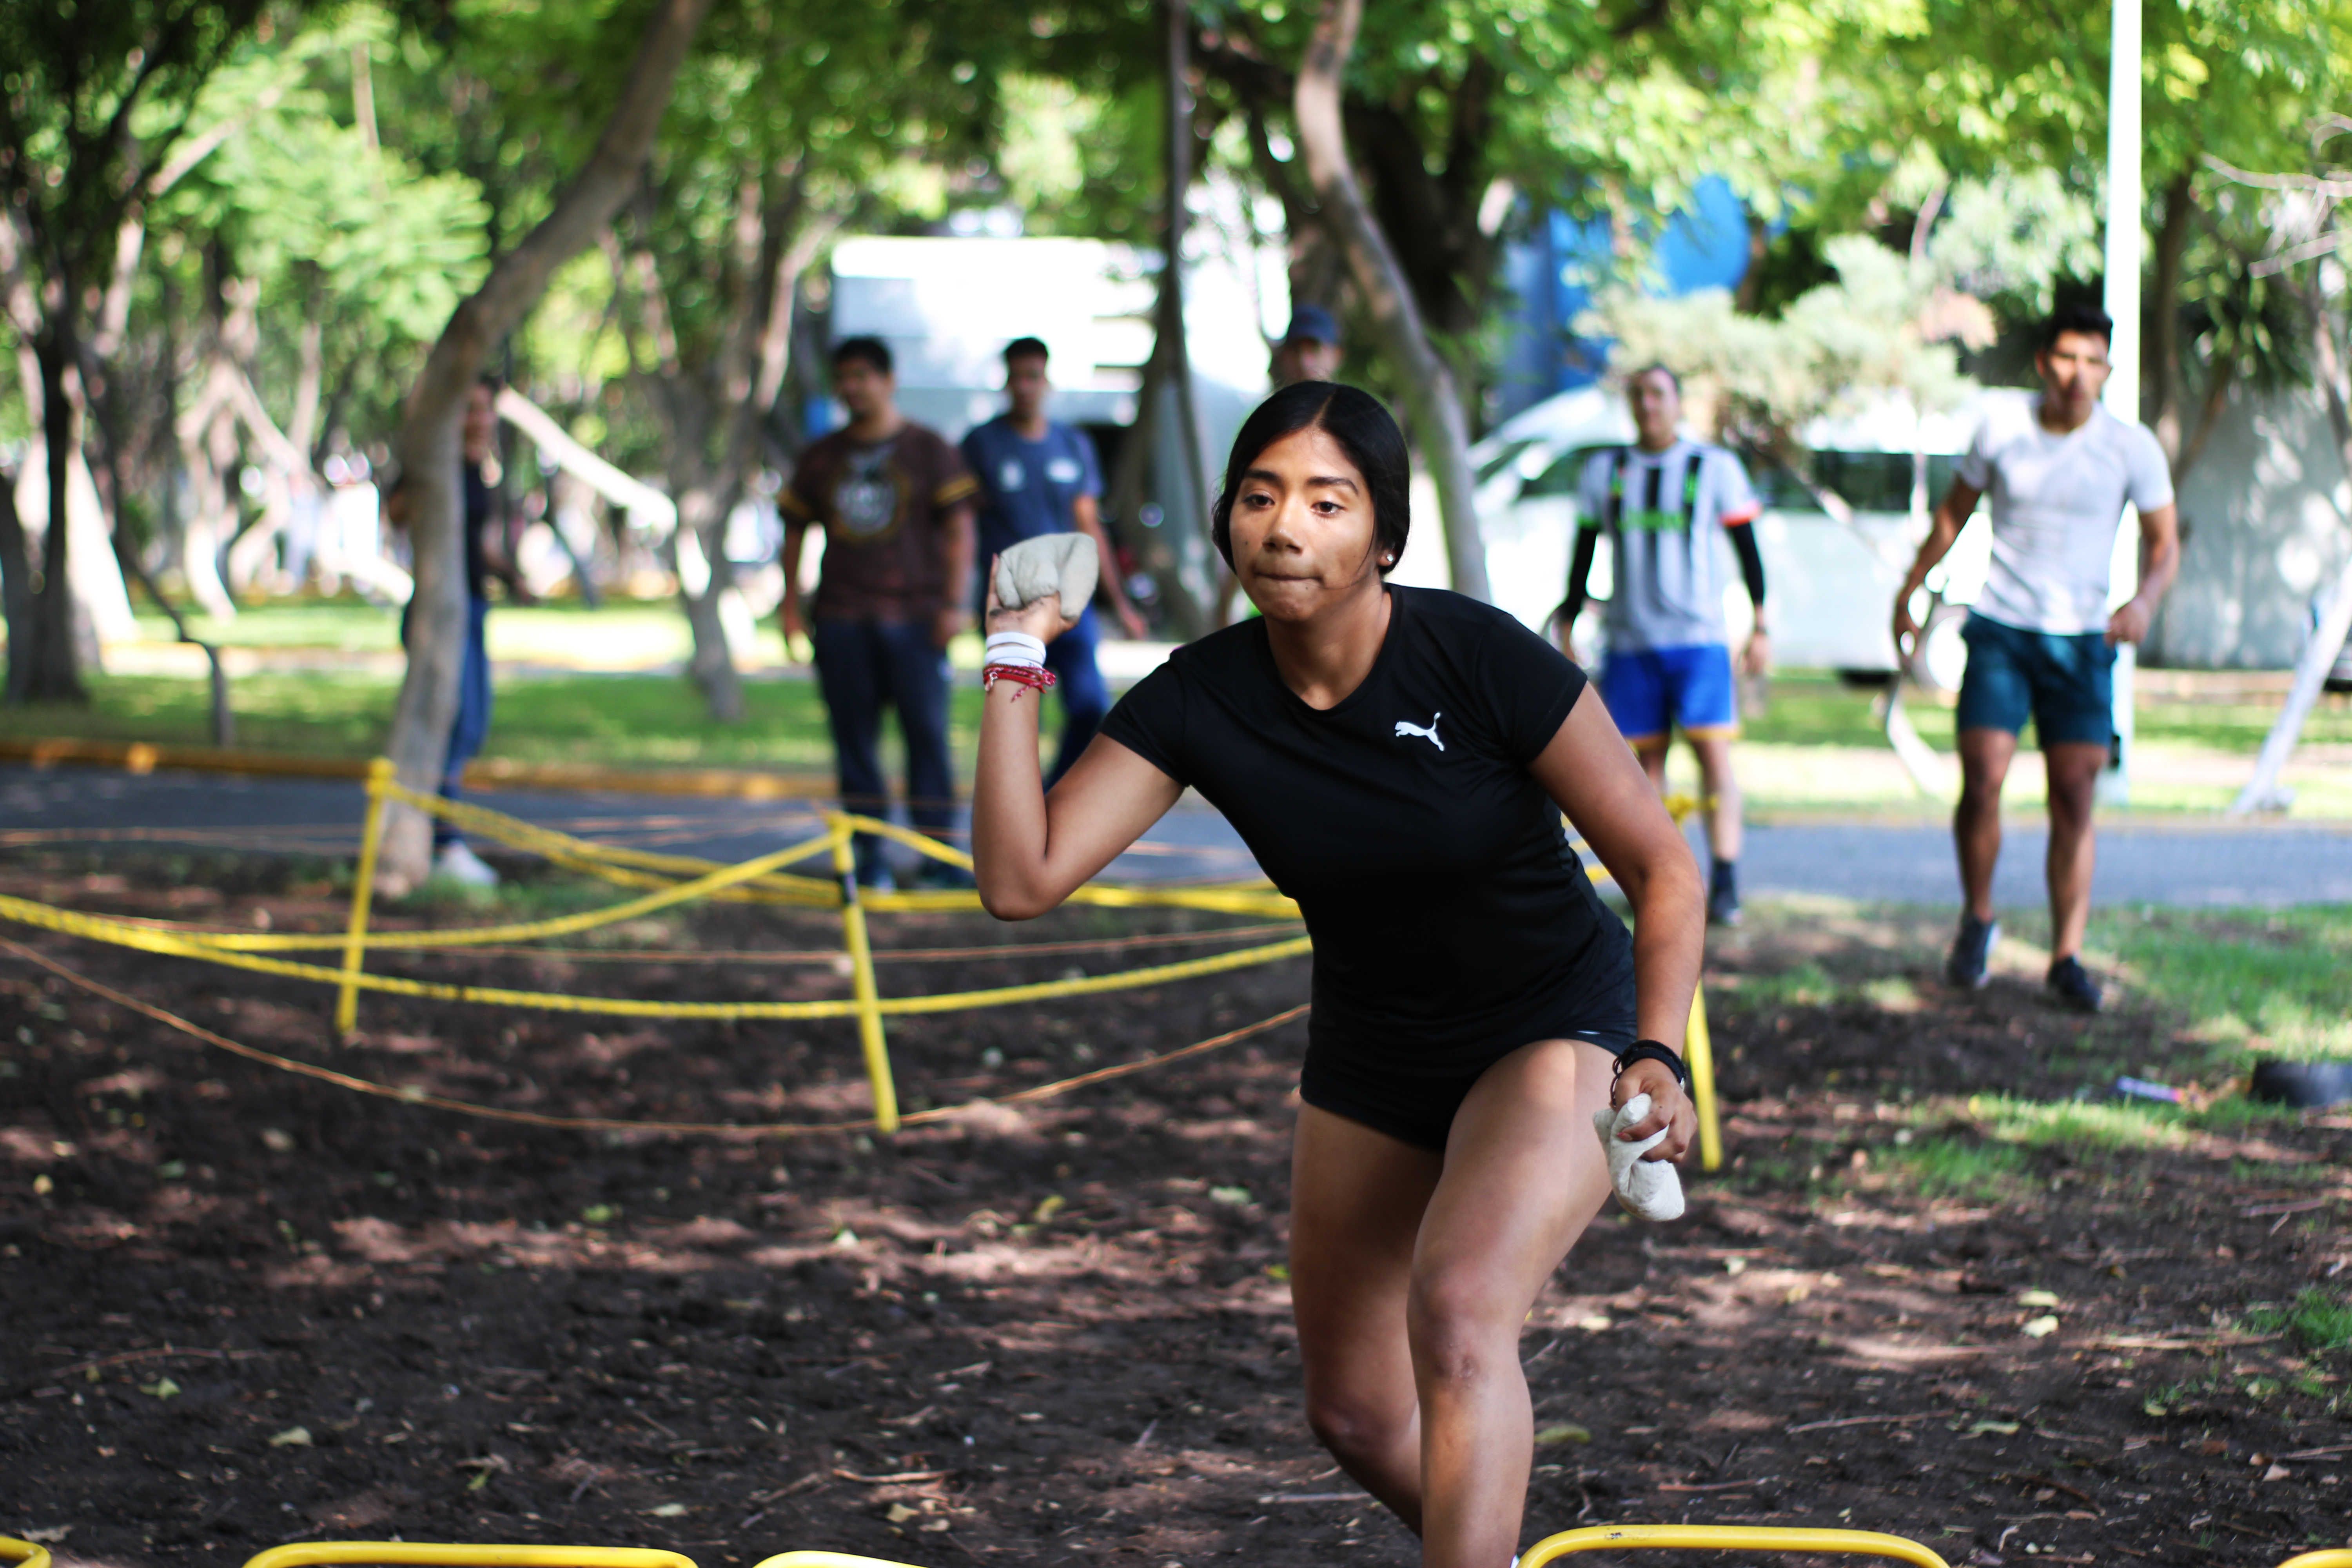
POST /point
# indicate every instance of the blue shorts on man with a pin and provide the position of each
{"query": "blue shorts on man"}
(1653, 691)
(2063, 680)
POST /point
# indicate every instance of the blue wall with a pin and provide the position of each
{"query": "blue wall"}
(1551, 275)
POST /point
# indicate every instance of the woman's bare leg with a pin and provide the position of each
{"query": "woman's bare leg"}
(1356, 1197)
(1523, 1177)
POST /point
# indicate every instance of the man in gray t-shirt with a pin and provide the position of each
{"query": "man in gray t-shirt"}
(2059, 470)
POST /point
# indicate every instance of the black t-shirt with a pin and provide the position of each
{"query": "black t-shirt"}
(1453, 923)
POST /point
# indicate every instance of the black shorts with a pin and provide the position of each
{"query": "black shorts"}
(1415, 1110)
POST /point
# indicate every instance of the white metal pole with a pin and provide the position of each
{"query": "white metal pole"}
(2123, 262)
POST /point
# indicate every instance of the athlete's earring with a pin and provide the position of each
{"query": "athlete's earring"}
(1387, 558)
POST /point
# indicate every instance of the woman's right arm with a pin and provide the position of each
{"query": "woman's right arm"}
(1030, 850)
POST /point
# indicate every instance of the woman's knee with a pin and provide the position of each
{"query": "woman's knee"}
(1348, 1425)
(1462, 1323)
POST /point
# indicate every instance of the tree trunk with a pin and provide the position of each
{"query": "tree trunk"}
(1432, 404)
(429, 442)
(1188, 572)
(16, 588)
(2161, 380)
(52, 672)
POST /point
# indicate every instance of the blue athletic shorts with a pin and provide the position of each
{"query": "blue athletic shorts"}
(1651, 692)
(2066, 682)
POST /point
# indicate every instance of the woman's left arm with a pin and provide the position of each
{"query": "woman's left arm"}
(1592, 773)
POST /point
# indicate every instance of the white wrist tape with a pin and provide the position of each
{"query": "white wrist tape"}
(1649, 1189)
(1014, 647)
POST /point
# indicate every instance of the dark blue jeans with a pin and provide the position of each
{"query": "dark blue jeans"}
(472, 725)
(1084, 698)
(862, 667)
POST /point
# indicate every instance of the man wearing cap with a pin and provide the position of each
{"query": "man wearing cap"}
(1038, 477)
(1309, 351)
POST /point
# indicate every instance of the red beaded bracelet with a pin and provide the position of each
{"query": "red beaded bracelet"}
(1035, 676)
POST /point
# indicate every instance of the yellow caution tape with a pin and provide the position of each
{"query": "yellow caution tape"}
(100, 928)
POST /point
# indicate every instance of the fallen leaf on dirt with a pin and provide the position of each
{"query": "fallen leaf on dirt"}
(2277, 1473)
(2038, 1298)
(2040, 1328)
(161, 1388)
(667, 1511)
(899, 1513)
(1562, 1432)
(936, 1525)
(1596, 1324)
(1233, 1198)
(1047, 1207)
(1735, 1266)
(276, 1142)
(293, 1437)
(1993, 1429)
(50, 1536)
(599, 1214)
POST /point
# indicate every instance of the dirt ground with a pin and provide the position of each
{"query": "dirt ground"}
(242, 1308)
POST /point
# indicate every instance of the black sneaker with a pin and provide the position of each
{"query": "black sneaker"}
(1971, 952)
(1723, 907)
(2071, 986)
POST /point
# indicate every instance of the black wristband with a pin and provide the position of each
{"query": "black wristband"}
(1652, 1051)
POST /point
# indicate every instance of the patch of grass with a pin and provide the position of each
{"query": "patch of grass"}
(2318, 1319)
(2278, 981)
(1806, 984)
(621, 720)
(1958, 1167)
(2078, 1124)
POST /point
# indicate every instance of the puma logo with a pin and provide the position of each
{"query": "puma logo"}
(1429, 734)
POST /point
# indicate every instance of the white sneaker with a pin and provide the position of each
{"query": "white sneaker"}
(458, 862)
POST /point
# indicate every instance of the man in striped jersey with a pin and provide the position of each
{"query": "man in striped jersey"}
(1665, 504)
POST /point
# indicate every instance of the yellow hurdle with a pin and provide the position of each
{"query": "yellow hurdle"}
(24, 1553)
(426, 1554)
(869, 997)
(1728, 1538)
(347, 1000)
(2335, 1557)
(825, 1559)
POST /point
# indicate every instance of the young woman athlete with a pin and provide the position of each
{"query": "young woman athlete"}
(1398, 760)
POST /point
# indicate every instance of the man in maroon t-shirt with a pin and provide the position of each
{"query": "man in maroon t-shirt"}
(896, 504)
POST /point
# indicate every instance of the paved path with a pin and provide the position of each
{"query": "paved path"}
(2199, 862)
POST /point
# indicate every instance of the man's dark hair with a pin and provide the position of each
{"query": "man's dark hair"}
(2089, 319)
(873, 350)
(1365, 431)
(489, 381)
(1027, 348)
(1658, 367)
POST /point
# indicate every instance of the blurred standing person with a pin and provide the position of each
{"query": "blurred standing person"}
(1309, 351)
(485, 512)
(895, 502)
(2059, 470)
(1663, 502)
(1037, 477)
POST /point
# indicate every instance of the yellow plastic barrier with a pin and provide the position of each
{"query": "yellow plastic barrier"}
(704, 878)
(24, 1553)
(2335, 1557)
(825, 1559)
(426, 1554)
(1728, 1538)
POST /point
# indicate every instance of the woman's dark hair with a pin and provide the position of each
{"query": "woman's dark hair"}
(1353, 417)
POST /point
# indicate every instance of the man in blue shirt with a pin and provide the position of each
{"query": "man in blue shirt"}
(1037, 477)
